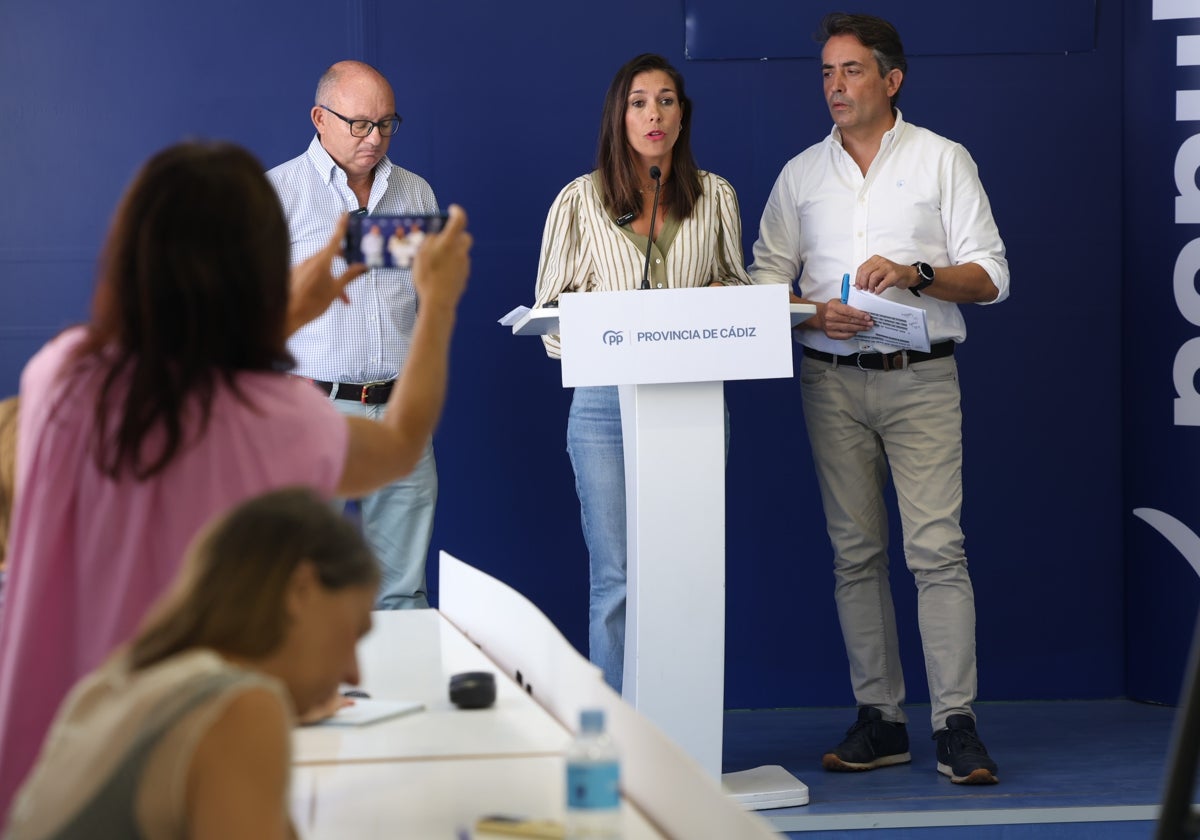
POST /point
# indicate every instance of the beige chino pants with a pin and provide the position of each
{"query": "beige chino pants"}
(863, 424)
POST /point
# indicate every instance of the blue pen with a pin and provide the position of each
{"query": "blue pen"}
(846, 288)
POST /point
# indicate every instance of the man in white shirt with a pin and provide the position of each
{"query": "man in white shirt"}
(355, 351)
(372, 247)
(902, 211)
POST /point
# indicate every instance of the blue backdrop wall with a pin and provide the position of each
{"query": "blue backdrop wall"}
(1161, 351)
(501, 104)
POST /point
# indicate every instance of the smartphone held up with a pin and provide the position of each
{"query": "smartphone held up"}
(388, 241)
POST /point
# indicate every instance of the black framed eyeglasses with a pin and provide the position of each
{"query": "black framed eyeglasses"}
(362, 128)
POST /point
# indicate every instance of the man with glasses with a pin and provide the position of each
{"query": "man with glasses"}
(355, 351)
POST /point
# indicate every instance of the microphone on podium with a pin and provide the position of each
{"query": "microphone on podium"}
(656, 174)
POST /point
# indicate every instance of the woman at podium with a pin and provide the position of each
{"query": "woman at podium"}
(646, 218)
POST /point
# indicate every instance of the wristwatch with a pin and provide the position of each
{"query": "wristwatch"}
(925, 272)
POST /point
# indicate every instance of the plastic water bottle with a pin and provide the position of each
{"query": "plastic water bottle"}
(593, 782)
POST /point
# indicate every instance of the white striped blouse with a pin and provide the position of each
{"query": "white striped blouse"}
(583, 249)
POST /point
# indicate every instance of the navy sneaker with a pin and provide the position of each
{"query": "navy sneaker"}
(961, 755)
(871, 742)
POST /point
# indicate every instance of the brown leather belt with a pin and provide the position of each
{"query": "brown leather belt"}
(372, 393)
(884, 361)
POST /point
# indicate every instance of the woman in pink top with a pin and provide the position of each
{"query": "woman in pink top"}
(172, 405)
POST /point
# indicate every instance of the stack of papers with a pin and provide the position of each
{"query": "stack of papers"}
(526, 321)
(896, 324)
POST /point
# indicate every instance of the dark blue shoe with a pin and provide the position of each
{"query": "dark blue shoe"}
(871, 742)
(961, 755)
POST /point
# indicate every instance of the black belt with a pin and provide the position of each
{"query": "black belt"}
(885, 361)
(373, 393)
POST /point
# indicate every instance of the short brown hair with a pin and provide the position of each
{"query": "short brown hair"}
(874, 33)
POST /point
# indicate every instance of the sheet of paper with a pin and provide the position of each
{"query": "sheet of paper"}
(514, 316)
(896, 324)
(366, 711)
(532, 321)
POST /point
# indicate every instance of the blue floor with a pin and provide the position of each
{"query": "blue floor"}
(1068, 769)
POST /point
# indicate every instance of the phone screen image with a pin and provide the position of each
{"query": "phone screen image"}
(388, 241)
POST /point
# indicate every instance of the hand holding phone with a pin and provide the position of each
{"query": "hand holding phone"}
(443, 265)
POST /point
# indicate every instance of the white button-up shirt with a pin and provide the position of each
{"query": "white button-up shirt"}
(920, 201)
(368, 339)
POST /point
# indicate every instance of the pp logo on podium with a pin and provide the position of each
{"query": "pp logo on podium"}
(612, 338)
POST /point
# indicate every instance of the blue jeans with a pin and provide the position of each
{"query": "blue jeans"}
(397, 521)
(596, 449)
(594, 444)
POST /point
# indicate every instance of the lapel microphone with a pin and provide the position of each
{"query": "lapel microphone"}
(656, 174)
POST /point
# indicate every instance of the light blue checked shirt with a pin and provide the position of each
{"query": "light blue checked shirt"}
(367, 340)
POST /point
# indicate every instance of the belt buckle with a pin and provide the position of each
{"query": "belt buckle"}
(858, 357)
(366, 388)
(887, 361)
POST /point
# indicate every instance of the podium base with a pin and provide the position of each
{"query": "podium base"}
(762, 788)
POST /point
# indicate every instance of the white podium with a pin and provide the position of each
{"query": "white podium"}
(670, 352)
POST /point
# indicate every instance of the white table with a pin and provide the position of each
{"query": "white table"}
(411, 655)
(431, 773)
(433, 799)
(667, 785)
